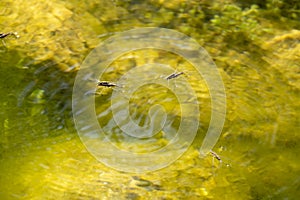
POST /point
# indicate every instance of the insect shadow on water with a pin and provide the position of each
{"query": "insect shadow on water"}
(105, 35)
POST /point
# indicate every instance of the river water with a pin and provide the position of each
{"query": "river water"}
(256, 50)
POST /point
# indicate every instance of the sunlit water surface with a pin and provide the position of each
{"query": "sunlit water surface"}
(42, 157)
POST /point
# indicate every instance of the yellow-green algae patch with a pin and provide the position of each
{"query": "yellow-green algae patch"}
(50, 30)
(58, 170)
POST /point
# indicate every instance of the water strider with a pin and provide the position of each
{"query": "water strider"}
(173, 75)
(106, 84)
(4, 35)
(215, 155)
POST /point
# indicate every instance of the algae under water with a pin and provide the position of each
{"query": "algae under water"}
(256, 49)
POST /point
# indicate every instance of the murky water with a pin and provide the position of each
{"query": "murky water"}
(256, 50)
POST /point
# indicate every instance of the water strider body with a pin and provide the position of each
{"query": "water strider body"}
(174, 75)
(4, 35)
(106, 84)
(216, 156)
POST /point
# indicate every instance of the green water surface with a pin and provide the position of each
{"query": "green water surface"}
(255, 45)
